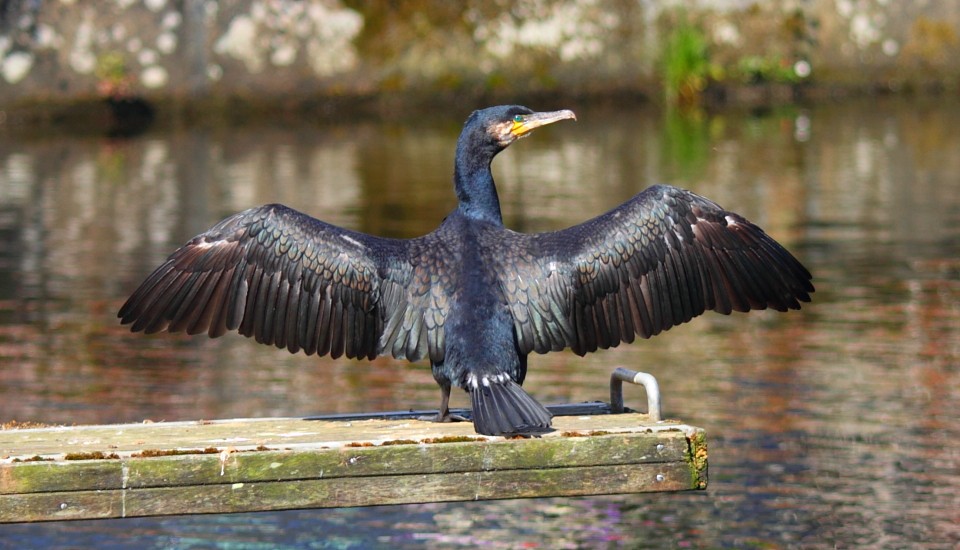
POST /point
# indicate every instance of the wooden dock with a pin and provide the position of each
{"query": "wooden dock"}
(127, 470)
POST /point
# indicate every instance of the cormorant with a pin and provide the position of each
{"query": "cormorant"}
(472, 296)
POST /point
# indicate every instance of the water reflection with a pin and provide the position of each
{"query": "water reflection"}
(833, 425)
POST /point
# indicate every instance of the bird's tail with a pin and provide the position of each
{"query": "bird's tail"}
(501, 407)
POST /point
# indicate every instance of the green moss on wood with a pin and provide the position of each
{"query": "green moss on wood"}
(50, 476)
(148, 453)
(453, 439)
(697, 455)
(35, 458)
(96, 455)
(18, 425)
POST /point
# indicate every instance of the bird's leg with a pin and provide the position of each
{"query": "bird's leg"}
(443, 414)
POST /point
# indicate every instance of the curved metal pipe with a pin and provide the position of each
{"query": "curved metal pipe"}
(649, 383)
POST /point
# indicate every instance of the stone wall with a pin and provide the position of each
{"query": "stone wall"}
(261, 50)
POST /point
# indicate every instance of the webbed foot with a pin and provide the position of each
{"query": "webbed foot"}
(443, 413)
(449, 417)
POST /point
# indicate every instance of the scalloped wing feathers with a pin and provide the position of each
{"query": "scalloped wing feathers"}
(658, 260)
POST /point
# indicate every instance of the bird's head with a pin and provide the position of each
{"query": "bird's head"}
(507, 123)
(486, 133)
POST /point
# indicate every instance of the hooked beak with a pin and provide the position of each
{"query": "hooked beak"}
(536, 120)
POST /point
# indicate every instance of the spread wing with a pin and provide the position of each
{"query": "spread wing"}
(658, 260)
(290, 280)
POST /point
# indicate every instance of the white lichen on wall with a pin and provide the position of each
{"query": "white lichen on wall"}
(154, 76)
(13, 65)
(16, 61)
(82, 59)
(240, 42)
(574, 30)
(155, 5)
(73, 47)
(167, 39)
(725, 32)
(330, 47)
(279, 32)
(16, 66)
(866, 21)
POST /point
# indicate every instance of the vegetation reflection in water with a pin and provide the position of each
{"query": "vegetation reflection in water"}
(834, 425)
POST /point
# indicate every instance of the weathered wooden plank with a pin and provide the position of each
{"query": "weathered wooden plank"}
(284, 433)
(339, 492)
(496, 484)
(238, 465)
(407, 458)
(58, 506)
(60, 475)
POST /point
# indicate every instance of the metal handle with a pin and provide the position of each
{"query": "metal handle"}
(649, 383)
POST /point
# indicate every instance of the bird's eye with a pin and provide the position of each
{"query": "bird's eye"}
(518, 118)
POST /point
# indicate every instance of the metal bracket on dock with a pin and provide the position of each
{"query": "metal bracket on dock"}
(619, 376)
(649, 383)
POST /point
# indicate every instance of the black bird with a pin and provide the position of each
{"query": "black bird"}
(473, 296)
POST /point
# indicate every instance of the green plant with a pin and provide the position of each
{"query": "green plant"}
(113, 77)
(686, 65)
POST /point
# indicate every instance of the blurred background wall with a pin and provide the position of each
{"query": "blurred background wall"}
(317, 52)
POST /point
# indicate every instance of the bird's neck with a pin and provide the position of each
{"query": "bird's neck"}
(476, 190)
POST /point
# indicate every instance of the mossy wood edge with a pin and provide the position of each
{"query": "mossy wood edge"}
(128, 470)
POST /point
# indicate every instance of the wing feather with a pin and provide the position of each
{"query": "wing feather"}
(286, 279)
(662, 258)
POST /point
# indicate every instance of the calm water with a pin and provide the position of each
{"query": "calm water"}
(834, 426)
